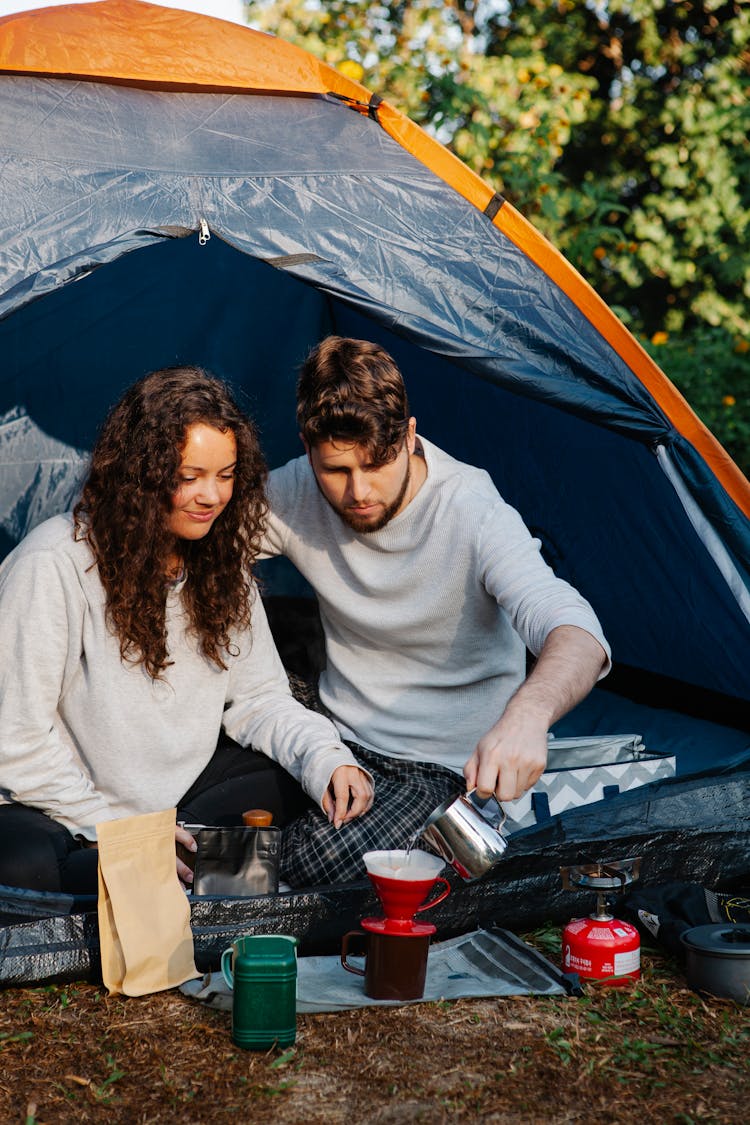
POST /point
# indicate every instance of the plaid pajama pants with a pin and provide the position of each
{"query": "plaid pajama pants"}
(314, 852)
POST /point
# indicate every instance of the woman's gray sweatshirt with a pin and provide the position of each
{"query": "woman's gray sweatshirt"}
(86, 737)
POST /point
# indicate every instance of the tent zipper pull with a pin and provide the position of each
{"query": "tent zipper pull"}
(205, 233)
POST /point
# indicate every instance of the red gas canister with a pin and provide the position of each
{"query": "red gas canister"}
(601, 947)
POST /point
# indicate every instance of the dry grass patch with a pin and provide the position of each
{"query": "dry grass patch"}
(654, 1052)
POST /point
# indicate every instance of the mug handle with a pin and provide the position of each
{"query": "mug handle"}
(345, 950)
(226, 969)
(434, 901)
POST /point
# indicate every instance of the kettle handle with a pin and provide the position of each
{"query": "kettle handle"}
(483, 806)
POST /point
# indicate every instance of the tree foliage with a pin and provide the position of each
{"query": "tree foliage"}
(666, 134)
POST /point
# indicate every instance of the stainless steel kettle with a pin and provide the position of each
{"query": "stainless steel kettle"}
(466, 832)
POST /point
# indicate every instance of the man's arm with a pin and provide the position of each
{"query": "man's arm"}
(512, 755)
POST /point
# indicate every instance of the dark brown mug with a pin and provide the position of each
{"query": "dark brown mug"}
(395, 963)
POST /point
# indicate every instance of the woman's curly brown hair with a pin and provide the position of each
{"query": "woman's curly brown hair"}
(126, 501)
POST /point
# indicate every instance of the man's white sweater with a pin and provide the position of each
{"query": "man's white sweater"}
(427, 620)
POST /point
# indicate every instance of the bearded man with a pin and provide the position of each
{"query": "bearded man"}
(431, 590)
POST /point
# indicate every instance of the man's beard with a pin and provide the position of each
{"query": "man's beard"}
(365, 526)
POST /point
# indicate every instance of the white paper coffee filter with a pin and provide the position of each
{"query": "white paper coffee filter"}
(400, 864)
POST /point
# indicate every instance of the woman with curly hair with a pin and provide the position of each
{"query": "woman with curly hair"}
(132, 636)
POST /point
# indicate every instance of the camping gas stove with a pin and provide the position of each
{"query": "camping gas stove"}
(601, 947)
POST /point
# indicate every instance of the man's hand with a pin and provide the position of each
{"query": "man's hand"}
(350, 794)
(512, 755)
(509, 758)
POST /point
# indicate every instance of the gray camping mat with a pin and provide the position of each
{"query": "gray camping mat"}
(482, 963)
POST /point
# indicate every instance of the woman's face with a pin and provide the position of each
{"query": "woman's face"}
(206, 477)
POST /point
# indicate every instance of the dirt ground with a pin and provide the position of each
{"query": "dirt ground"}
(653, 1052)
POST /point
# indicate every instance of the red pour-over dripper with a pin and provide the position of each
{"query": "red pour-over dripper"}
(403, 880)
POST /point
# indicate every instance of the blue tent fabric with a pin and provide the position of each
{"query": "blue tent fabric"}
(338, 191)
(321, 222)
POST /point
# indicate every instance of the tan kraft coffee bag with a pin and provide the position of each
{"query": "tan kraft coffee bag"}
(144, 914)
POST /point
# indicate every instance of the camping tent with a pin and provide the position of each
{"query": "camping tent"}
(220, 197)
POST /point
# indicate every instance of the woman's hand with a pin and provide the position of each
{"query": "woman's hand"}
(188, 841)
(182, 836)
(350, 793)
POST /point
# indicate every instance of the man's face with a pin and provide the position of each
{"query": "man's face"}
(365, 495)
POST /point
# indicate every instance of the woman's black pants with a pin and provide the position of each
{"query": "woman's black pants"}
(38, 853)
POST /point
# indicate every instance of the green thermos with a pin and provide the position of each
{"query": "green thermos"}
(261, 970)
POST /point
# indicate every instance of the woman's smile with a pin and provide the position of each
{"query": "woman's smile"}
(206, 480)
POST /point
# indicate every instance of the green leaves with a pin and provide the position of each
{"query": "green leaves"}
(712, 369)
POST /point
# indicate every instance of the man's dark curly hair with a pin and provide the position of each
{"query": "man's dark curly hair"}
(125, 505)
(351, 390)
